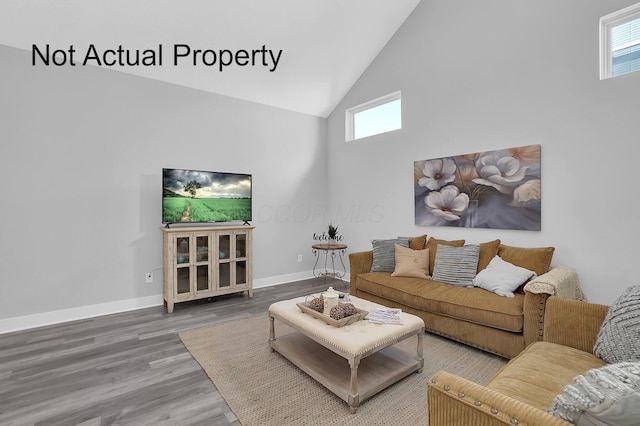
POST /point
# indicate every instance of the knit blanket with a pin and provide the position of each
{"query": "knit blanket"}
(559, 281)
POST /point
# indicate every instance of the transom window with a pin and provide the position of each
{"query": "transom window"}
(377, 116)
(620, 42)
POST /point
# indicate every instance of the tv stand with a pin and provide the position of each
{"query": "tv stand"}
(206, 261)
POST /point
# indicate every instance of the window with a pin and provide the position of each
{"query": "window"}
(374, 117)
(620, 42)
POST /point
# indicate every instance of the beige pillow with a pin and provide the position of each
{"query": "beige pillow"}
(411, 263)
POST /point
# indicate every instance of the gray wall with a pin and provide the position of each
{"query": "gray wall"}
(479, 76)
(82, 154)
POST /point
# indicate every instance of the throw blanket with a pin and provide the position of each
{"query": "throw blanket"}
(559, 281)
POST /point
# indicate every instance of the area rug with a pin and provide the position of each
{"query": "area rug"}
(263, 388)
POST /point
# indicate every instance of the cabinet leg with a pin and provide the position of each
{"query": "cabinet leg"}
(169, 307)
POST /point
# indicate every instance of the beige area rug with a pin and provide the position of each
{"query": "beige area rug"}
(263, 388)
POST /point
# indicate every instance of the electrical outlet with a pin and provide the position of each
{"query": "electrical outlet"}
(148, 277)
(299, 258)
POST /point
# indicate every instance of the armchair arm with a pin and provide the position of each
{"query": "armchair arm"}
(455, 401)
(359, 263)
(558, 281)
(573, 323)
(534, 309)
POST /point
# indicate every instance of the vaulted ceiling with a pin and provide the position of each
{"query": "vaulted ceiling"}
(326, 44)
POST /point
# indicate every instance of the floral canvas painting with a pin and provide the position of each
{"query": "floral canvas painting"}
(493, 189)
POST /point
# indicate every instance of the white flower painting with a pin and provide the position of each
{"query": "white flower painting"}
(494, 189)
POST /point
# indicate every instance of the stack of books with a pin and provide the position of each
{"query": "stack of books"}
(385, 316)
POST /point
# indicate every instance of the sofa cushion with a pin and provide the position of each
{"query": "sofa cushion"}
(539, 373)
(619, 336)
(488, 251)
(411, 263)
(417, 243)
(432, 245)
(536, 259)
(469, 304)
(502, 277)
(456, 265)
(608, 395)
(384, 258)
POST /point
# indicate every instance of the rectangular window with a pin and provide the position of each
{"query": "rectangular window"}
(374, 117)
(620, 42)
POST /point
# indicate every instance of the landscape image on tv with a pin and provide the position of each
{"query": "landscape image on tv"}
(201, 196)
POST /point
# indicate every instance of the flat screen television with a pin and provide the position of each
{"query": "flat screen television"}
(190, 196)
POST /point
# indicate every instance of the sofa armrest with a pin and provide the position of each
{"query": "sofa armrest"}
(359, 263)
(558, 281)
(573, 323)
(533, 309)
(455, 401)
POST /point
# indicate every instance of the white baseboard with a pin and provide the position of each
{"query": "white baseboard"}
(73, 314)
(282, 279)
(82, 312)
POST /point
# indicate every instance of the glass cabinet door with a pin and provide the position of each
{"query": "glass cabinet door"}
(224, 247)
(183, 270)
(202, 264)
(241, 246)
(241, 272)
(182, 250)
(202, 248)
(183, 280)
(224, 260)
(192, 259)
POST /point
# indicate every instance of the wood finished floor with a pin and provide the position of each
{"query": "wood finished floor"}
(124, 369)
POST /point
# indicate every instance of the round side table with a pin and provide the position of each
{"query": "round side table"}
(331, 251)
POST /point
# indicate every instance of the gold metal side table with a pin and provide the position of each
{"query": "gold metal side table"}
(331, 251)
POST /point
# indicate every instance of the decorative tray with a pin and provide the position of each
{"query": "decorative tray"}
(304, 307)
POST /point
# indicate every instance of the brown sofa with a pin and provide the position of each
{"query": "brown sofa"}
(477, 317)
(524, 389)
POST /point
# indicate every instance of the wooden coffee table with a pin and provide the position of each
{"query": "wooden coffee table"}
(354, 362)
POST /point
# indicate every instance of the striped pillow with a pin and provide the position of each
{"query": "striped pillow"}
(384, 254)
(456, 265)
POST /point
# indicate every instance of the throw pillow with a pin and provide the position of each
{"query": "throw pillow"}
(411, 263)
(417, 243)
(536, 259)
(456, 265)
(619, 336)
(488, 251)
(384, 259)
(432, 245)
(608, 395)
(502, 277)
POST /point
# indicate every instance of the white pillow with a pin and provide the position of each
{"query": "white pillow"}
(502, 277)
(623, 412)
(605, 396)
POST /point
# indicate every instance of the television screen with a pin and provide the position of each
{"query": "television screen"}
(200, 196)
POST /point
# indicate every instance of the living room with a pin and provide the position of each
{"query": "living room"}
(84, 151)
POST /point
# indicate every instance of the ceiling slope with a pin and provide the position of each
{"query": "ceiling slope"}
(326, 44)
